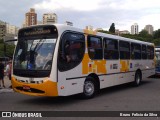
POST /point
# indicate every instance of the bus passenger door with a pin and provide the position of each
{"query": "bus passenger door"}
(71, 52)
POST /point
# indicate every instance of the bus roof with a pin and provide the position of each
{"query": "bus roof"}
(61, 28)
(66, 27)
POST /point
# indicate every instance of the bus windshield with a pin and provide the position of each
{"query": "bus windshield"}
(34, 52)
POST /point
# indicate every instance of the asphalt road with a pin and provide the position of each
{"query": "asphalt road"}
(146, 97)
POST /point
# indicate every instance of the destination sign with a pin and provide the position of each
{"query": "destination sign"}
(38, 32)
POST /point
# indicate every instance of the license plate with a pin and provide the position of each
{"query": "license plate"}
(26, 87)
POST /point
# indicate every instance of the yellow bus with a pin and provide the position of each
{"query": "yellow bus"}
(60, 60)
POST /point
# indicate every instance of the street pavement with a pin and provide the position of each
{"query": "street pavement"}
(123, 98)
(7, 84)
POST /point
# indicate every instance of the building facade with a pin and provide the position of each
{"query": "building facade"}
(31, 17)
(118, 32)
(11, 29)
(134, 29)
(49, 18)
(124, 32)
(7, 31)
(89, 27)
(2, 29)
(99, 29)
(149, 29)
(11, 32)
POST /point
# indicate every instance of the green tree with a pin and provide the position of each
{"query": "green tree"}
(142, 36)
(1, 41)
(9, 49)
(156, 42)
(112, 28)
(1, 50)
(104, 31)
(146, 37)
(131, 36)
(156, 34)
(143, 33)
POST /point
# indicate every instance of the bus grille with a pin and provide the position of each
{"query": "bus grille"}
(32, 90)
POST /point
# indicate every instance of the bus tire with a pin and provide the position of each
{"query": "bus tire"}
(138, 78)
(89, 88)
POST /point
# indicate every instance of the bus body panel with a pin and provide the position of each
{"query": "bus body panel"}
(47, 88)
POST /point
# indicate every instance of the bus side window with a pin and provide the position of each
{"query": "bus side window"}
(144, 52)
(67, 51)
(71, 50)
(124, 48)
(95, 47)
(150, 52)
(135, 51)
(111, 49)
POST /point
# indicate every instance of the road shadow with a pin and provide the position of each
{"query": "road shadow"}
(122, 87)
(154, 76)
(50, 100)
(77, 98)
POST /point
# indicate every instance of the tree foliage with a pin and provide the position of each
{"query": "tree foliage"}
(156, 34)
(143, 33)
(112, 28)
(142, 36)
(9, 49)
(156, 41)
(1, 50)
(104, 31)
(1, 41)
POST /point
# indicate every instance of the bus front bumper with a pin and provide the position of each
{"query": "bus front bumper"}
(47, 88)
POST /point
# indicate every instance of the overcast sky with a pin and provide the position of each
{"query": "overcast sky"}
(97, 13)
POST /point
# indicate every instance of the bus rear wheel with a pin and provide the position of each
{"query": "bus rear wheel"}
(89, 89)
(138, 78)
